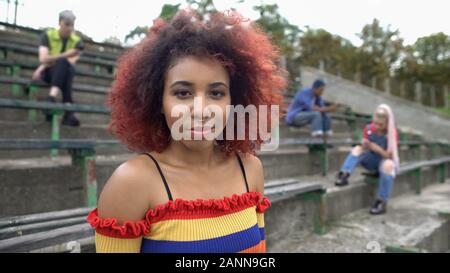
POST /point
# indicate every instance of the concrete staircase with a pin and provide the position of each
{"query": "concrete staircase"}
(308, 213)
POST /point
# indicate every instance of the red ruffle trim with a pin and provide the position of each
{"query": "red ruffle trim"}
(110, 227)
(227, 204)
(263, 205)
(130, 229)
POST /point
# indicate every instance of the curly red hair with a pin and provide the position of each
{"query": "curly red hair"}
(244, 50)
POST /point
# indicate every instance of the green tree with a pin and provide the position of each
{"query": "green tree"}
(381, 47)
(168, 11)
(434, 49)
(433, 54)
(139, 32)
(336, 54)
(285, 36)
(427, 60)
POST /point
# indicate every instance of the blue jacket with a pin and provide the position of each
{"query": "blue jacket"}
(303, 102)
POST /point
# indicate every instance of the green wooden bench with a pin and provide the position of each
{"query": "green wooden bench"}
(352, 119)
(7, 48)
(56, 110)
(320, 148)
(69, 238)
(416, 169)
(14, 67)
(32, 223)
(31, 86)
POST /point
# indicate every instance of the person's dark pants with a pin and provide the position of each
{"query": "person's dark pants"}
(61, 75)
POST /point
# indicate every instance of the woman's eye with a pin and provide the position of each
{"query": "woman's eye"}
(217, 94)
(182, 93)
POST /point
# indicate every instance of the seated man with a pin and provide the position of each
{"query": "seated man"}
(59, 50)
(308, 107)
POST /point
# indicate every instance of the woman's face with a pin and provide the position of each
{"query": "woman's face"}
(380, 123)
(196, 95)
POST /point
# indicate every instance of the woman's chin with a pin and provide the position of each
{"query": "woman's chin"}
(198, 144)
(200, 140)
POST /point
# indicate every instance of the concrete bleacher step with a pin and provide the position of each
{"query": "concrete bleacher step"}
(45, 239)
(291, 161)
(32, 177)
(344, 200)
(81, 93)
(47, 232)
(78, 79)
(282, 163)
(42, 130)
(84, 63)
(341, 201)
(10, 115)
(47, 184)
(56, 231)
(337, 126)
(298, 207)
(414, 223)
(303, 133)
(16, 123)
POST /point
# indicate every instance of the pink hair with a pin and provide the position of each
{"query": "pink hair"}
(391, 133)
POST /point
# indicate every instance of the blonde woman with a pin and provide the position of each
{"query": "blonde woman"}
(378, 152)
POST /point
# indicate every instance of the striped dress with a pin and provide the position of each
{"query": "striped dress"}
(228, 225)
(231, 224)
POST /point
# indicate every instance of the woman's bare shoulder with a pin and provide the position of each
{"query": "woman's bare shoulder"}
(128, 193)
(254, 171)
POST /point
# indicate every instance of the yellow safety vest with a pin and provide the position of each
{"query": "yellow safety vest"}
(56, 43)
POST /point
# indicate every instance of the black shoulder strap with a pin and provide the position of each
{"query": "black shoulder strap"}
(243, 171)
(169, 194)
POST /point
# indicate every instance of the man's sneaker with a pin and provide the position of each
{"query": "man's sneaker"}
(69, 119)
(342, 179)
(318, 133)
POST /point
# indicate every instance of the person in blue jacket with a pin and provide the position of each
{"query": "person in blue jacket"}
(308, 108)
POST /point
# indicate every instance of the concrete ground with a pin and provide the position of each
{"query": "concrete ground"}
(410, 220)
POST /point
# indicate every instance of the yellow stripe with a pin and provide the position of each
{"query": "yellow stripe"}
(184, 230)
(260, 217)
(106, 244)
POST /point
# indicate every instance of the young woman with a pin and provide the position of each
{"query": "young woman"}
(184, 195)
(378, 152)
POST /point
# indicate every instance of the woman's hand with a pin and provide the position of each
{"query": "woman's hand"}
(378, 149)
(366, 144)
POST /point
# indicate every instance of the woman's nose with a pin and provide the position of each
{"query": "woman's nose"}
(200, 109)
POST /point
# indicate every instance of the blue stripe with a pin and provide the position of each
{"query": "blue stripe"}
(225, 244)
(263, 233)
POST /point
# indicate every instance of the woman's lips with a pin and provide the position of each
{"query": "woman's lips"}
(201, 131)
